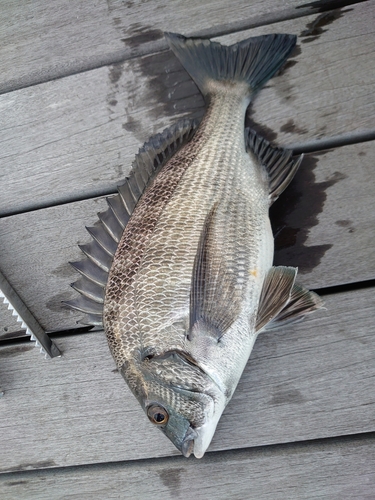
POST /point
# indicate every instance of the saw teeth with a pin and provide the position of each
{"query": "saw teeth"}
(47, 347)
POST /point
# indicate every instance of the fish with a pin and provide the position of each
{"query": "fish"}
(179, 270)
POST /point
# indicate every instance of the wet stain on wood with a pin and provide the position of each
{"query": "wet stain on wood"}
(56, 303)
(343, 223)
(261, 129)
(16, 350)
(64, 271)
(290, 63)
(286, 396)
(132, 125)
(291, 127)
(171, 478)
(324, 5)
(15, 483)
(315, 28)
(287, 66)
(138, 34)
(346, 224)
(31, 466)
(168, 86)
(115, 72)
(296, 212)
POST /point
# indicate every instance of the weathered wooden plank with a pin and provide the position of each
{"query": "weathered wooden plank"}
(76, 137)
(334, 470)
(325, 224)
(310, 381)
(48, 40)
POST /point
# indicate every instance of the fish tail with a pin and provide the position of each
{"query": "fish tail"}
(253, 61)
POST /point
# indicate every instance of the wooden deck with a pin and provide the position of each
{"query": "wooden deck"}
(83, 85)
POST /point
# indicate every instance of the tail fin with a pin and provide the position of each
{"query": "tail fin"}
(254, 60)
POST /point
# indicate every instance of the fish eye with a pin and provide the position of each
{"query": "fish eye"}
(157, 414)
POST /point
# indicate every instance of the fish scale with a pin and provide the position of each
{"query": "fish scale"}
(187, 196)
(190, 282)
(132, 243)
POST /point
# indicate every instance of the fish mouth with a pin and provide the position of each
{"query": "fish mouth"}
(198, 439)
(187, 447)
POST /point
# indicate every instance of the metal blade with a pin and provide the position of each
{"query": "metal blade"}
(27, 320)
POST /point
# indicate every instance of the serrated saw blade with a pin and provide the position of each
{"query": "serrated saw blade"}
(24, 316)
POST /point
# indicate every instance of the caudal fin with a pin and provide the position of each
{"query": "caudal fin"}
(254, 60)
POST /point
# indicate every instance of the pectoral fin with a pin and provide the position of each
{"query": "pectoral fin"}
(215, 297)
(282, 301)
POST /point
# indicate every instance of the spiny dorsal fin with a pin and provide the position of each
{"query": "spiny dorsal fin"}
(215, 297)
(278, 162)
(89, 289)
(276, 292)
(107, 231)
(302, 302)
(90, 271)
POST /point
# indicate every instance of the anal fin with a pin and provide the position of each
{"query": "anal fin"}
(282, 301)
(302, 302)
(276, 292)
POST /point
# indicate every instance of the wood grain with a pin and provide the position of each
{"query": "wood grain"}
(324, 220)
(76, 137)
(334, 470)
(42, 41)
(311, 381)
(109, 84)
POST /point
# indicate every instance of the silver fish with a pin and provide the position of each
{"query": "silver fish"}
(179, 271)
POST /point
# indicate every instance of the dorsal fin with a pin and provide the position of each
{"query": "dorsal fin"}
(215, 297)
(278, 162)
(107, 231)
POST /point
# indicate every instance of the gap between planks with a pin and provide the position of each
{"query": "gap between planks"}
(212, 456)
(338, 469)
(298, 148)
(324, 224)
(18, 337)
(97, 120)
(76, 409)
(149, 48)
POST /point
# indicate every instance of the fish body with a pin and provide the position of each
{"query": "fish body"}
(191, 282)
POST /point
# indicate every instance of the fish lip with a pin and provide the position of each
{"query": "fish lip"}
(187, 446)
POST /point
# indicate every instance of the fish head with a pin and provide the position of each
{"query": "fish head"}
(179, 398)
